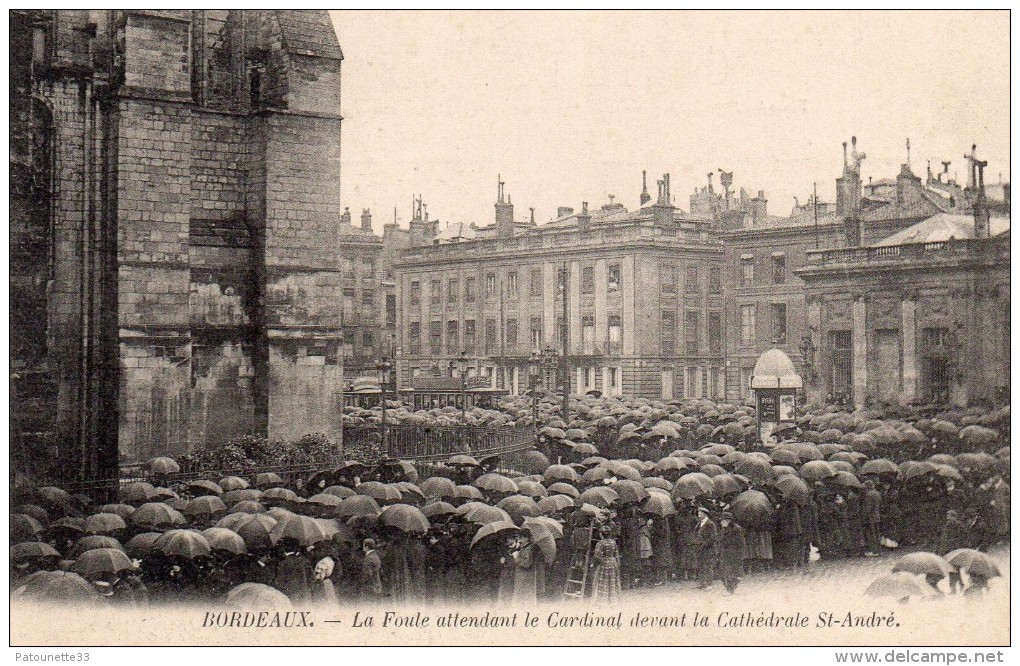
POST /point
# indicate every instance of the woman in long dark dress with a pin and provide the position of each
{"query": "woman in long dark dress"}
(606, 583)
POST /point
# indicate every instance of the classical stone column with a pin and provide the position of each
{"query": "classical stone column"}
(908, 329)
(815, 387)
(860, 351)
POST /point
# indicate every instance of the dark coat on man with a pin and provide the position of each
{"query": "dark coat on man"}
(872, 510)
(732, 551)
(294, 577)
(955, 534)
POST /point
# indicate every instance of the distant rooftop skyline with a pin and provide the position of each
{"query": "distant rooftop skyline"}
(571, 106)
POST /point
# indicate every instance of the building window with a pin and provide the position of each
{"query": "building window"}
(436, 292)
(511, 284)
(414, 337)
(715, 280)
(615, 279)
(470, 292)
(588, 333)
(691, 332)
(615, 330)
(415, 293)
(714, 333)
(366, 340)
(668, 333)
(748, 315)
(469, 336)
(935, 366)
(614, 381)
(778, 268)
(349, 295)
(747, 271)
(561, 281)
(779, 323)
(369, 267)
(536, 282)
(691, 285)
(391, 310)
(453, 337)
(491, 337)
(667, 278)
(511, 333)
(842, 363)
(490, 285)
(536, 332)
(452, 291)
(692, 384)
(367, 297)
(587, 380)
(435, 337)
(588, 280)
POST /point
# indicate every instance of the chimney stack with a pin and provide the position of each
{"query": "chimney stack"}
(564, 211)
(346, 217)
(583, 219)
(504, 212)
(645, 197)
(848, 194)
(366, 220)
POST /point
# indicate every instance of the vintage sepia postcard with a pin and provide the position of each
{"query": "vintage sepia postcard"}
(385, 328)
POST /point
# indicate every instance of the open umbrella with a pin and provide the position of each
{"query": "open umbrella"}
(256, 532)
(817, 470)
(257, 596)
(137, 492)
(900, 585)
(381, 492)
(880, 467)
(913, 469)
(492, 529)
(555, 503)
(560, 473)
(519, 507)
(71, 527)
(104, 523)
(122, 510)
(597, 474)
(794, 488)
(342, 492)
(232, 497)
(438, 486)
(229, 483)
(585, 449)
(409, 490)
(266, 480)
(279, 495)
(187, 544)
(978, 436)
(563, 488)
(535, 462)
(302, 529)
(543, 537)
(725, 484)
(483, 514)
(358, 505)
(713, 470)
(657, 482)
(752, 508)
(846, 480)
(203, 487)
(220, 538)
(974, 561)
(462, 460)
(783, 456)
(405, 518)
(205, 506)
(495, 483)
(630, 492)
(63, 587)
(658, 504)
(325, 500)
(692, 486)
(93, 542)
(600, 496)
(468, 493)
(99, 561)
(438, 509)
(757, 470)
(163, 465)
(532, 489)
(140, 545)
(156, 515)
(923, 563)
(33, 549)
(35, 511)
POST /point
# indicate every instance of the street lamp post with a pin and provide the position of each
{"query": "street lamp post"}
(461, 365)
(383, 366)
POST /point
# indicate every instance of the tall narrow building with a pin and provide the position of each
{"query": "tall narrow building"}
(175, 197)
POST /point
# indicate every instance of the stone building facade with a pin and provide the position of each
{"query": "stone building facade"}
(176, 224)
(634, 297)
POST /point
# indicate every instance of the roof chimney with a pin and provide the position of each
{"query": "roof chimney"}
(583, 219)
(346, 217)
(645, 197)
(504, 213)
(564, 211)
(366, 220)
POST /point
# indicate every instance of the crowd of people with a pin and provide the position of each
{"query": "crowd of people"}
(557, 522)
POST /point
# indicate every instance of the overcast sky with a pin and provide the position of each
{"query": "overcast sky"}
(571, 106)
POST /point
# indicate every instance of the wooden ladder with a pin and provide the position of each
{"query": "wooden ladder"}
(577, 576)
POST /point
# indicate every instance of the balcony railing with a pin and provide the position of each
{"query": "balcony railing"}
(994, 249)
